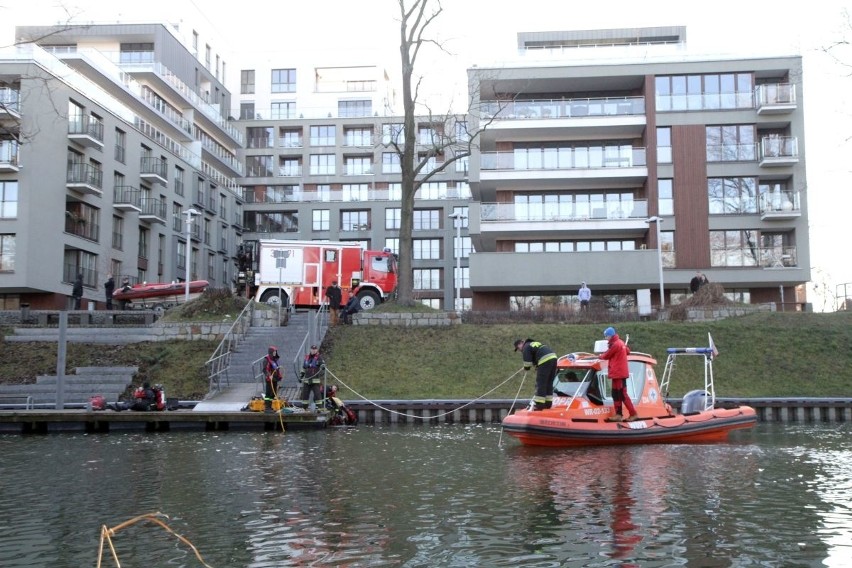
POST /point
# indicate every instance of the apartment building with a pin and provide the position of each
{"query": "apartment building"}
(320, 165)
(116, 157)
(619, 158)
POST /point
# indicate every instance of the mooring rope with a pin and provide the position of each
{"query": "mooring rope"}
(107, 534)
(511, 408)
(441, 415)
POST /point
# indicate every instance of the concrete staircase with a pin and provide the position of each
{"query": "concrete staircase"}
(79, 387)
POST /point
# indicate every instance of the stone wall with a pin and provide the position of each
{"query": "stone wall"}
(433, 319)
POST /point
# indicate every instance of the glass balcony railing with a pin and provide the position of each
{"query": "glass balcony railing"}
(557, 108)
(564, 158)
(606, 211)
(9, 152)
(297, 195)
(779, 147)
(775, 94)
(780, 202)
(757, 257)
(10, 100)
(731, 152)
(81, 228)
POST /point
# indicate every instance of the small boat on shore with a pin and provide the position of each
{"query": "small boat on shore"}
(582, 404)
(146, 291)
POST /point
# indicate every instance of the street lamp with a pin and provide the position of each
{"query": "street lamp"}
(458, 217)
(659, 221)
(189, 214)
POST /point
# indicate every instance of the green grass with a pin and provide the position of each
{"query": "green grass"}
(761, 355)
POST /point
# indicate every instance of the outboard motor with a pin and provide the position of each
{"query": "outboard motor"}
(694, 401)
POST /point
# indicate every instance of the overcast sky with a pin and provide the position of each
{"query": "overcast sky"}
(478, 31)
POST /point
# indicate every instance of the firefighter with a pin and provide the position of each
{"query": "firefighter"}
(272, 377)
(311, 377)
(535, 353)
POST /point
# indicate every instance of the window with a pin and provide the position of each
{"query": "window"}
(427, 219)
(392, 133)
(207, 53)
(427, 136)
(732, 196)
(282, 222)
(120, 145)
(8, 199)
(392, 245)
(432, 190)
(179, 175)
(354, 220)
(358, 137)
(426, 249)
(283, 80)
(246, 111)
(462, 212)
(7, 253)
(322, 136)
(136, 53)
(76, 262)
(427, 279)
(665, 197)
(283, 109)
(259, 166)
(247, 82)
(177, 218)
(390, 163)
(358, 165)
(290, 138)
(356, 192)
(664, 145)
(354, 108)
(321, 220)
(734, 248)
(462, 132)
(667, 248)
(392, 218)
(394, 191)
(731, 143)
(181, 254)
(195, 43)
(260, 137)
(704, 92)
(462, 247)
(289, 167)
(465, 277)
(322, 164)
(117, 233)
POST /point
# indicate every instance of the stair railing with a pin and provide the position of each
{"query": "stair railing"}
(217, 365)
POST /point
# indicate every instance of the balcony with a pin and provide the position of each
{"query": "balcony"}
(86, 131)
(127, 198)
(779, 151)
(85, 178)
(357, 170)
(780, 206)
(81, 227)
(10, 104)
(153, 170)
(153, 210)
(777, 98)
(9, 156)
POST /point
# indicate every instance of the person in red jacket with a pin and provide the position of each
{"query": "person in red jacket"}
(618, 373)
(272, 377)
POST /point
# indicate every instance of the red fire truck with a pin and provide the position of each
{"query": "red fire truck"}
(298, 272)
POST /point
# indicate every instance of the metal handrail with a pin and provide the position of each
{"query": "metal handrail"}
(218, 363)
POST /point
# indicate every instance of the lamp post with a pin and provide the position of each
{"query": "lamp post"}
(458, 217)
(189, 214)
(659, 221)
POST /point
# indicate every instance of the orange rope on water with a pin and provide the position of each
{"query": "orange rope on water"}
(107, 534)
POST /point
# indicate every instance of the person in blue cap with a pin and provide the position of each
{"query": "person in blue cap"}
(618, 373)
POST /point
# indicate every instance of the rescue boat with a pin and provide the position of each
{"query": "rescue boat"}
(147, 291)
(582, 404)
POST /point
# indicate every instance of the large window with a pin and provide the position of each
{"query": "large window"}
(259, 166)
(8, 199)
(246, 111)
(355, 192)
(392, 133)
(358, 165)
(432, 190)
(7, 253)
(320, 220)
(290, 138)
(664, 145)
(731, 143)
(427, 219)
(427, 279)
(354, 220)
(322, 164)
(358, 137)
(462, 247)
(281, 222)
(247, 82)
(390, 163)
(732, 196)
(354, 108)
(705, 92)
(260, 137)
(734, 248)
(392, 218)
(322, 136)
(283, 80)
(426, 249)
(283, 109)
(665, 197)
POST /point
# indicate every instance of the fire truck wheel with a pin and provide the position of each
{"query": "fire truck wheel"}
(368, 300)
(270, 297)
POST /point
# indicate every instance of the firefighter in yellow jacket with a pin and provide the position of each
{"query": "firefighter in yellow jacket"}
(535, 353)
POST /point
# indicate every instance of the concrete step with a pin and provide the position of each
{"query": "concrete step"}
(90, 337)
(106, 370)
(93, 388)
(85, 379)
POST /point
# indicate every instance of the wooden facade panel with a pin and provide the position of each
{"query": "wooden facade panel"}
(691, 208)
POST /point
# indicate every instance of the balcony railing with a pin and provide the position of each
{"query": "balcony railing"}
(8, 155)
(780, 149)
(556, 108)
(357, 170)
(615, 211)
(763, 257)
(127, 196)
(85, 177)
(564, 159)
(88, 130)
(153, 210)
(151, 166)
(10, 101)
(81, 228)
(298, 195)
(70, 272)
(784, 205)
(731, 152)
(775, 97)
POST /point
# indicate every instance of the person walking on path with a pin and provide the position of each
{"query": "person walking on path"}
(334, 295)
(272, 377)
(109, 288)
(77, 291)
(536, 353)
(618, 373)
(585, 296)
(311, 377)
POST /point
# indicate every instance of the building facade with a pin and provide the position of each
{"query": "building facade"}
(619, 159)
(117, 157)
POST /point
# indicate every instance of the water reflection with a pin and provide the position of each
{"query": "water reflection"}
(418, 496)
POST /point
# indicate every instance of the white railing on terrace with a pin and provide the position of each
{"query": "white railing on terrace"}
(557, 108)
(779, 147)
(297, 195)
(9, 152)
(564, 159)
(218, 363)
(772, 94)
(780, 202)
(607, 211)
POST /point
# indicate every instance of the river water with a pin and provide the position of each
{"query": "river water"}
(426, 496)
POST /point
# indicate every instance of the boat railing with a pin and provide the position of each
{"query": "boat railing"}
(218, 363)
(708, 353)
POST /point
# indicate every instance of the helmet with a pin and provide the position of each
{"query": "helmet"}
(609, 332)
(519, 343)
(273, 351)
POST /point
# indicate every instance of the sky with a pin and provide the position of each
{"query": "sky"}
(478, 31)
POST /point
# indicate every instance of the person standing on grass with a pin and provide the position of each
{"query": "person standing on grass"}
(334, 295)
(585, 296)
(536, 353)
(618, 373)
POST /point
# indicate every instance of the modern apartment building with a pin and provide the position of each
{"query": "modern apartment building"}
(116, 157)
(618, 158)
(320, 165)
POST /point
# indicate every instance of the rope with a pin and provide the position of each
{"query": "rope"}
(511, 408)
(108, 533)
(379, 406)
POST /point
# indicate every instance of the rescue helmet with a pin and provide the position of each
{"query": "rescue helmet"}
(519, 344)
(609, 332)
(273, 351)
(314, 347)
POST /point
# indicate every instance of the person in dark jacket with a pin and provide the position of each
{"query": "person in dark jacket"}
(311, 377)
(77, 291)
(352, 307)
(334, 295)
(109, 288)
(618, 373)
(144, 397)
(536, 353)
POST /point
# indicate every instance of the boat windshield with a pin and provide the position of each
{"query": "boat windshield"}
(567, 381)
